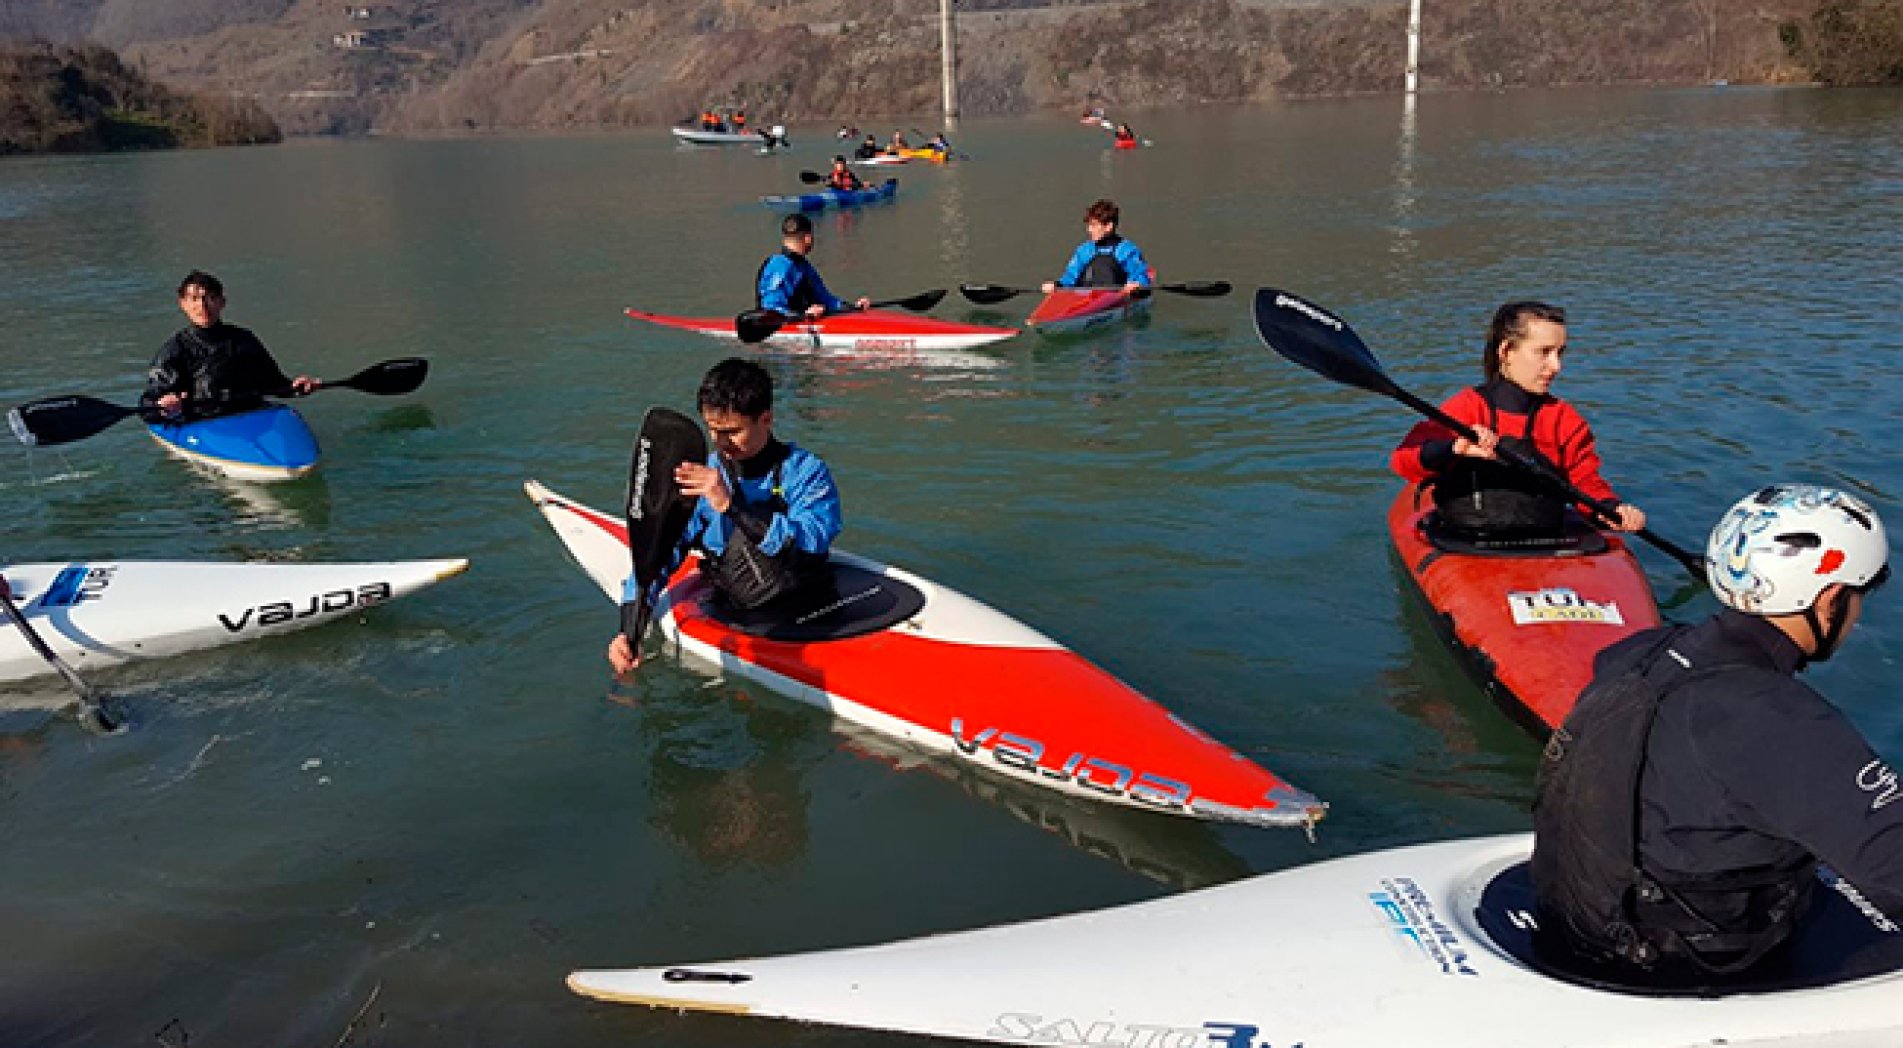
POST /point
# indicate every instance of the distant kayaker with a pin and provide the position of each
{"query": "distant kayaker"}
(897, 145)
(846, 133)
(739, 121)
(939, 143)
(767, 511)
(1125, 135)
(867, 149)
(1683, 810)
(1476, 494)
(841, 177)
(1106, 259)
(210, 367)
(788, 284)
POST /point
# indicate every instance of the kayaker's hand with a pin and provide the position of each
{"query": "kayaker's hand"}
(1631, 518)
(622, 656)
(699, 481)
(172, 403)
(815, 311)
(1132, 288)
(862, 302)
(304, 385)
(1048, 286)
(1481, 449)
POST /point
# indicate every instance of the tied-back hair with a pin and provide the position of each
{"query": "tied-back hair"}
(1509, 326)
(737, 385)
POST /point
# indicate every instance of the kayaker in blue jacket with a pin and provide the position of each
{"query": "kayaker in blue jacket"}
(210, 367)
(767, 510)
(789, 285)
(1106, 259)
(1685, 805)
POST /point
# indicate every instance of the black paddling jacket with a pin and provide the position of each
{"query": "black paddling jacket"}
(223, 368)
(1749, 776)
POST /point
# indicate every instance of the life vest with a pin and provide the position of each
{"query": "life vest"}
(1104, 270)
(1596, 900)
(744, 576)
(1486, 498)
(842, 180)
(801, 297)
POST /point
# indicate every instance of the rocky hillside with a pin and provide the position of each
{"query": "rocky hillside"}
(84, 99)
(428, 65)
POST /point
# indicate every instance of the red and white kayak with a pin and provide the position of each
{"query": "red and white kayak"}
(1069, 310)
(955, 677)
(1526, 621)
(882, 160)
(872, 329)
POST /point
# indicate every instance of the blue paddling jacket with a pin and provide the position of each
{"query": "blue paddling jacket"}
(783, 498)
(789, 284)
(1110, 262)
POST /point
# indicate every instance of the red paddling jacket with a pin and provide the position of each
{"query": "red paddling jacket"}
(1478, 495)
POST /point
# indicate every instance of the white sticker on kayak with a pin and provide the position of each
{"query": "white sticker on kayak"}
(1561, 604)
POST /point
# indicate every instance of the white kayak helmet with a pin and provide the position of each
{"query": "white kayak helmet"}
(1784, 544)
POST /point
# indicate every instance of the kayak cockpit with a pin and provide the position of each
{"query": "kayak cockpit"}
(854, 603)
(1840, 939)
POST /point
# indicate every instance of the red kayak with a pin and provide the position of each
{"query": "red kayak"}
(871, 329)
(1526, 621)
(1068, 310)
(903, 656)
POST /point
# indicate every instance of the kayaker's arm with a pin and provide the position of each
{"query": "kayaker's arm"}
(1079, 260)
(1136, 270)
(167, 377)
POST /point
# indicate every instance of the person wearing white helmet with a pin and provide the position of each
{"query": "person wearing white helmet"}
(1684, 806)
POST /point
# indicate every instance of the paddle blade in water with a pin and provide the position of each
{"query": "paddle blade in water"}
(1199, 288)
(390, 378)
(918, 303)
(757, 325)
(62, 420)
(1318, 340)
(656, 511)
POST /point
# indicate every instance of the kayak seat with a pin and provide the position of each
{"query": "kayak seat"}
(1578, 539)
(857, 602)
(1834, 942)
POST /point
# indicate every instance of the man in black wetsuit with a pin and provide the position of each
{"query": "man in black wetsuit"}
(1685, 804)
(210, 367)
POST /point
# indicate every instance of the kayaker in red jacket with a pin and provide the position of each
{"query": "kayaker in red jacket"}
(1474, 491)
(841, 177)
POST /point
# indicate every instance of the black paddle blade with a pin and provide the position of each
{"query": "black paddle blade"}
(918, 303)
(812, 178)
(990, 294)
(1199, 288)
(1318, 340)
(388, 379)
(757, 325)
(656, 513)
(62, 420)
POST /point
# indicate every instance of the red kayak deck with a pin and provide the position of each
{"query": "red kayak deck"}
(1526, 625)
(872, 329)
(1073, 309)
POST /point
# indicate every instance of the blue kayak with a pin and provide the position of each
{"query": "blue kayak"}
(826, 198)
(271, 443)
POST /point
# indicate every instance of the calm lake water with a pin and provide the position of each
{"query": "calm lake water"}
(442, 808)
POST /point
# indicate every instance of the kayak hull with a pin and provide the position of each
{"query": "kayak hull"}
(1067, 311)
(826, 198)
(872, 329)
(882, 160)
(103, 613)
(1384, 950)
(1525, 627)
(692, 136)
(960, 679)
(273, 443)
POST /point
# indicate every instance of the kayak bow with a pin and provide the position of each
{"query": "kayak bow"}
(1070, 310)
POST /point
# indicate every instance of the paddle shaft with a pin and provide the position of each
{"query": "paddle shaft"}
(1514, 457)
(91, 713)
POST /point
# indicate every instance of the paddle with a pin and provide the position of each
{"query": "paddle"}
(991, 294)
(1318, 340)
(62, 420)
(92, 708)
(758, 325)
(657, 514)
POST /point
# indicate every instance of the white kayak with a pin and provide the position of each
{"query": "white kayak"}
(102, 613)
(1417, 947)
(924, 664)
